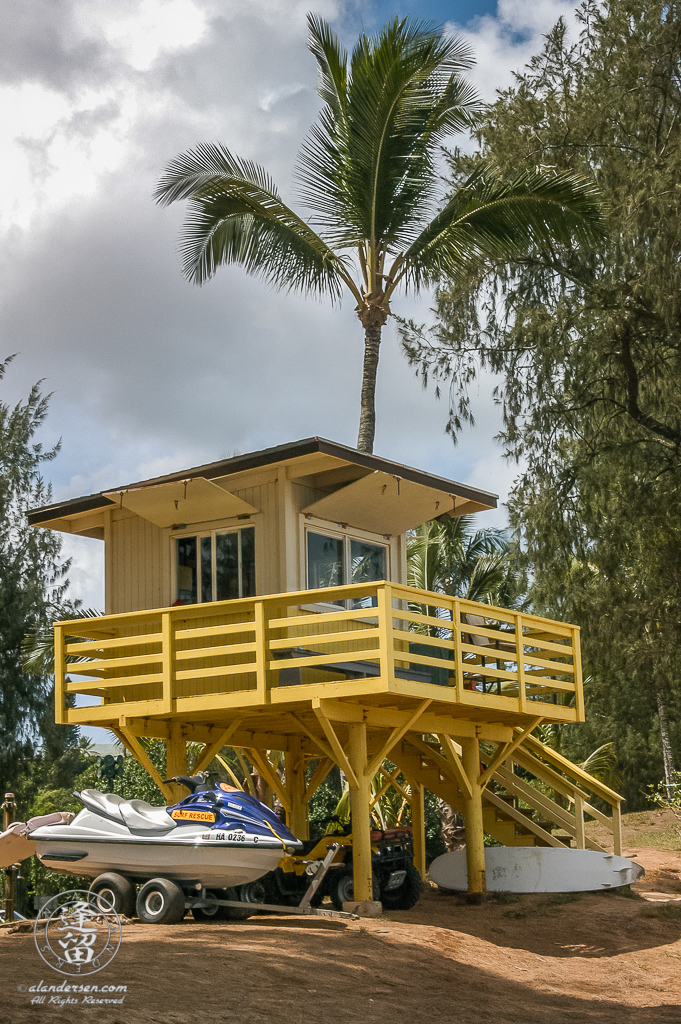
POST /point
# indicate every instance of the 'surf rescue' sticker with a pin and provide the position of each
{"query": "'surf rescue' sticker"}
(192, 816)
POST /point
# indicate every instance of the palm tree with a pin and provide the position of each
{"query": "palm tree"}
(368, 175)
(456, 559)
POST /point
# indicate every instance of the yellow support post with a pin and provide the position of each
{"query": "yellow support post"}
(580, 837)
(418, 826)
(297, 819)
(360, 799)
(60, 710)
(475, 839)
(176, 758)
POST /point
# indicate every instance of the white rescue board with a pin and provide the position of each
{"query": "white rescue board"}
(538, 869)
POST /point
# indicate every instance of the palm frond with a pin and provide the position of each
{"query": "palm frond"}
(489, 217)
(237, 216)
(37, 647)
(367, 169)
(332, 59)
(603, 765)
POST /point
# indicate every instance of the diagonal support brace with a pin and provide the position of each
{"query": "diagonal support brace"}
(506, 750)
(456, 765)
(129, 740)
(211, 749)
(339, 754)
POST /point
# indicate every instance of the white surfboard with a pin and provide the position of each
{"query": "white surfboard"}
(538, 869)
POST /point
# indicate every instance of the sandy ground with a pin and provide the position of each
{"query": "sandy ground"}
(602, 959)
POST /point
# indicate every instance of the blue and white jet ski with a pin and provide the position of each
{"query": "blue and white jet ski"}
(216, 837)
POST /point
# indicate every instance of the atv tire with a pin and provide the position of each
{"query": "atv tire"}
(160, 901)
(406, 895)
(115, 890)
(342, 888)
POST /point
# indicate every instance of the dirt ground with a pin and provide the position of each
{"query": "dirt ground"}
(607, 958)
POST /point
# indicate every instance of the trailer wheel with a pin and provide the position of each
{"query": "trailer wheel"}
(342, 888)
(406, 895)
(115, 890)
(160, 901)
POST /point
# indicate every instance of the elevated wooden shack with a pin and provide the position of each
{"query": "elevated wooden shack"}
(262, 602)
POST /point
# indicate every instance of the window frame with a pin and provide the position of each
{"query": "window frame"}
(347, 535)
(213, 532)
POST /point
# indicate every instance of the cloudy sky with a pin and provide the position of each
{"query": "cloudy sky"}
(150, 374)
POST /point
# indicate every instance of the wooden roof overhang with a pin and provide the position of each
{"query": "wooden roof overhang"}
(360, 490)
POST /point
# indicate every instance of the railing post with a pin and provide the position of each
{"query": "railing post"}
(580, 837)
(617, 829)
(262, 654)
(386, 639)
(520, 655)
(458, 653)
(168, 661)
(577, 669)
(60, 712)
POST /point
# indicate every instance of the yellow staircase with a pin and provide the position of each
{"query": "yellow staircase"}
(516, 811)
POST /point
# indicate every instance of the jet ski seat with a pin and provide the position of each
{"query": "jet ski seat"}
(108, 805)
(144, 820)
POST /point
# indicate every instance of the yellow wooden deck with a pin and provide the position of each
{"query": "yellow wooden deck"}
(380, 645)
(447, 690)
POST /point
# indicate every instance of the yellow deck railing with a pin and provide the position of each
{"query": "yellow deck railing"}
(365, 638)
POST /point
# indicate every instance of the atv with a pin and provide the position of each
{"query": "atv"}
(396, 881)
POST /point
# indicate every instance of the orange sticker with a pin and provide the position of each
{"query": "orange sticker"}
(193, 815)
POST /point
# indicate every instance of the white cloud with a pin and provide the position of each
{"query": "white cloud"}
(503, 43)
(150, 374)
(86, 574)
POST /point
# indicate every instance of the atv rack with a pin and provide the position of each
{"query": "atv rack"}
(304, 908)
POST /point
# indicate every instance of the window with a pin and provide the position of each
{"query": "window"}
(333, 561)
(216, 566)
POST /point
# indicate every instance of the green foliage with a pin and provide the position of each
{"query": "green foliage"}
(587, 345)
(455, 558)
(32, 584)
(667, 795)
(324, 801)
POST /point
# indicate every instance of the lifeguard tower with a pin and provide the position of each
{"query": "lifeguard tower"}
(261, 602)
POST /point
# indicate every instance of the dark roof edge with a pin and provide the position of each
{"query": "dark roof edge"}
(90, 503)
(266, 457)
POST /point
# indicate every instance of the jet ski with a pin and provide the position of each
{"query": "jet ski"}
(217, 837)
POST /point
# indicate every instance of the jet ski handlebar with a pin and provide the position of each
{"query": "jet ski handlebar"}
(194, 783)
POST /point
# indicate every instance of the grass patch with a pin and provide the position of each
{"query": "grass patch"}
(623, 892)
(558, 899)
(505, 897)
(656, 839)
(663, 912)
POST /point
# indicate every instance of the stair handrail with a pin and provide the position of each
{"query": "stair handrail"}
(589, 781)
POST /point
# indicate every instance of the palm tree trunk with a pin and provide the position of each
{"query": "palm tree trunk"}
(667, 752)
(450, 825)
(367, 419)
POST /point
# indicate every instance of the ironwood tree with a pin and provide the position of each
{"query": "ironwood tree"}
(587, 344)
(370, 181)
(32, 585)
